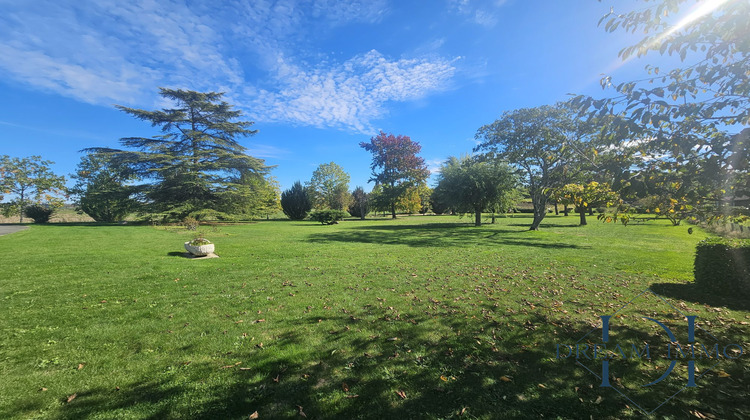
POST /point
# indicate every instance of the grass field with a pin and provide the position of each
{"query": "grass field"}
(422, 317)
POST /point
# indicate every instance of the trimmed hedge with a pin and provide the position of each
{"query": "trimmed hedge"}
(328, 216)
(723, 265)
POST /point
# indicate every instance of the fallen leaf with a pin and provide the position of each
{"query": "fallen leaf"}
(723, 374)
(245, 368)
(345, 387)
(401, 394)
(353, 396)
(301, 413)
(541, 386)
(42, 389)
(598, 400)
(72, 397)
(276, 379)
(461, 413)
(80, 366)
(505, 379)
(254, 416)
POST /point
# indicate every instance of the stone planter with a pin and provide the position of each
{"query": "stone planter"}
(199, 250)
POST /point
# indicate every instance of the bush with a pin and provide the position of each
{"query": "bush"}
(40, 213)
(190, 223)
(723, 266)
(295, 202)
(328, 216)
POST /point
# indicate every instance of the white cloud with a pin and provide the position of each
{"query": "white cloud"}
(267, 151)
(479, 12)
(351, 94)
(434, 165)
(108, 51)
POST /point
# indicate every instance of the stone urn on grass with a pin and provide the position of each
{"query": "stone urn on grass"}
(199, 247)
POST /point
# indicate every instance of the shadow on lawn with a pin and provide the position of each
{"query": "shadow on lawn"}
(690, 292)
(438, 235)
(400, 370)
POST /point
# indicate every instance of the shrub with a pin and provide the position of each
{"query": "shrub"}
(199, 240)
(190, 223)
(723, 265)
(295, 202)
(40, 213)
(328, 216)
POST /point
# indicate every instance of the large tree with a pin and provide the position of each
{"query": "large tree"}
(196, 163)
(103, 190)
(541, 142)
(395, 167)
(472, 185)
(329, 187)
(30, 179)
(678, 116)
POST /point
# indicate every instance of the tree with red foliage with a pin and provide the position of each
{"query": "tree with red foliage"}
(395, 166)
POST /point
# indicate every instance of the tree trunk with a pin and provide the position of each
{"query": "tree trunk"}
(591, 211)
(393, 210)
(566, 210)
(583, 216)
(493, 217)
(21, 206)
(557, 213)
(540, 210)
(478, 218)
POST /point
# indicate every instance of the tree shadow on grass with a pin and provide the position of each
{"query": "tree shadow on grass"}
(691, 292)
(438, 235)
(502, 366)
(545, 225)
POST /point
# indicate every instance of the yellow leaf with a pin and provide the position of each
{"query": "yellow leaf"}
(656, 210)
(505, 379)
(723, 374)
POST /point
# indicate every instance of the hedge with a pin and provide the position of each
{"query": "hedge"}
(723, 266)
(328, 216)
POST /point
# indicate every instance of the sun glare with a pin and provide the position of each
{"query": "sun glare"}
(696, 12)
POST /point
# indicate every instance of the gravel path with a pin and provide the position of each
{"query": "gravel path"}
(6, 229)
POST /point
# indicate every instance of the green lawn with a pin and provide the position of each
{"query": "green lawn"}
(422, 317)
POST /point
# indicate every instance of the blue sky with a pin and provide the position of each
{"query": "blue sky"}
(316, 76)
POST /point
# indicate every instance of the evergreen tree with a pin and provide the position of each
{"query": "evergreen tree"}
(196, 163)
(102, 189)
(295, 202)
(360, 203)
